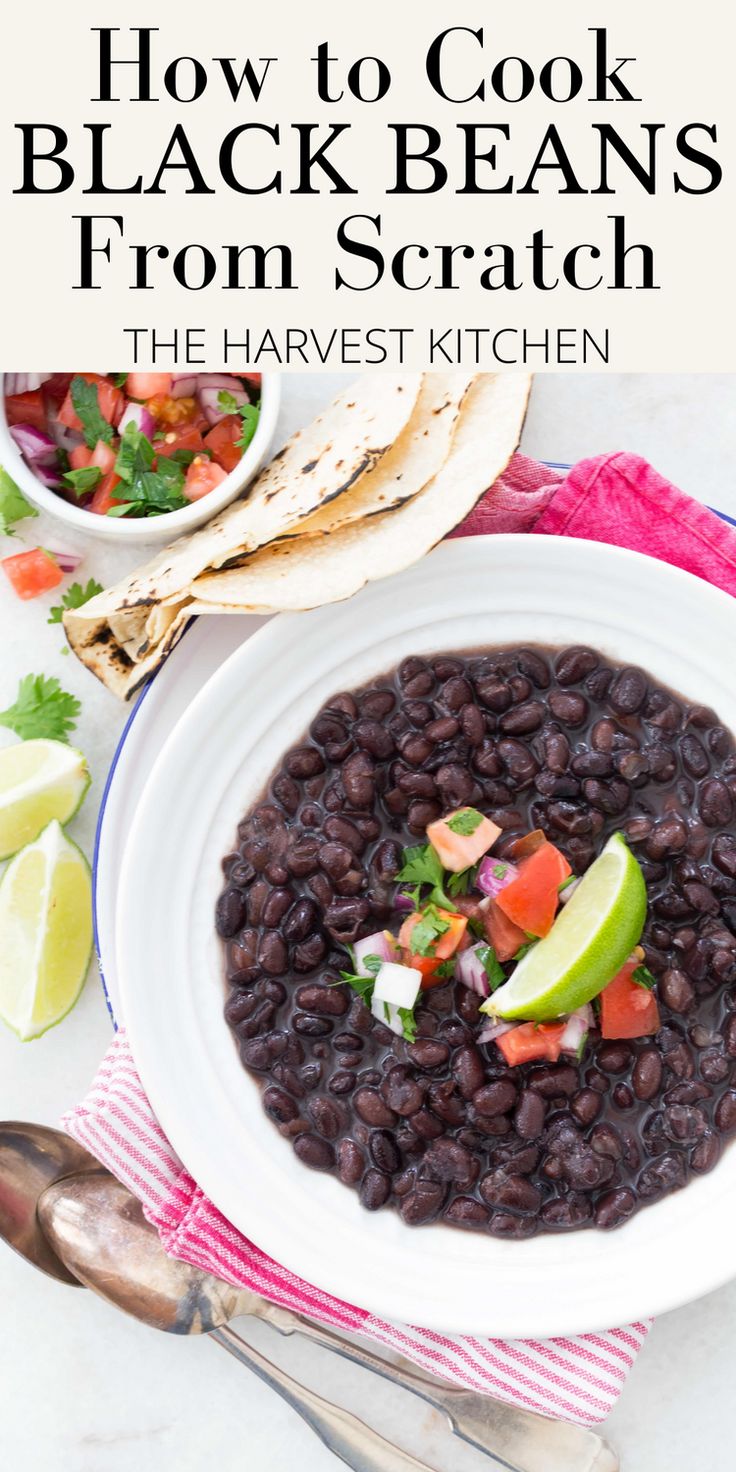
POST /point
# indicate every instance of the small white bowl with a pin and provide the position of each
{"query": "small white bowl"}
(146, 528)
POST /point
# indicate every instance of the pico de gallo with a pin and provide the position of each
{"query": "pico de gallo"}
(132, 444)
(471, 918)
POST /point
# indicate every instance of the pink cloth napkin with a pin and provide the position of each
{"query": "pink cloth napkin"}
(615, 498)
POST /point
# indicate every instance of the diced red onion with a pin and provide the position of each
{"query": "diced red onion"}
(49, 476)
(184, 385)
(493, 1030)
(68, 561)
(138, 415)
(568, 892)
(24, 383)
(469, 970)
(578, 1026)
(209, 401)
(379, 944)
(494, 875)
(223, 382)
(66, 439)
(35, 446)
(404, 901)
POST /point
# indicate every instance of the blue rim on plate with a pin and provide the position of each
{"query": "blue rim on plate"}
(553, 465)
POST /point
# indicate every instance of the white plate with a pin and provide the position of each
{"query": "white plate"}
(479, 591)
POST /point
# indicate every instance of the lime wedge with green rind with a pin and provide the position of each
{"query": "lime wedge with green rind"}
(588, 944)
(45, 932)
(39, 780)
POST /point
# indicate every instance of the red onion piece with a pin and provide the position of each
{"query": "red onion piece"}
(379, 944)
(138, 415)
(209, 401)
(35, 446)
(49, 476)
(68, 561)
(24, 383)
(493, 1030)
(494, 875)
(66, 439)
(223, 382)
(469, 970)
(568, 892)
(184, 385)
(578, 1026)
(404, 902)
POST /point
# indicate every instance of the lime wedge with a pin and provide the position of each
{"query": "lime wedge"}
(45, 932)
(587, 945)
(39, 780)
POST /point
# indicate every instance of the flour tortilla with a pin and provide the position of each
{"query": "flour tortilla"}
(326, 568)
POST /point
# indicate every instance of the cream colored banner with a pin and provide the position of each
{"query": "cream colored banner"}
(583, 158)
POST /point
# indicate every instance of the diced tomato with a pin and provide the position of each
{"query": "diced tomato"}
(146, 385)
(531, 899)
(169, 412)
(31, 573)
(27, 409)
(628, 1010)
(460, 850)
(222, 441)
(80, 457)
(532, 1040)
(109, 398)
(254, 379)
(104, 457)
(103, 497)
(57, 386)
(202, 477)
(184, 437)
(443, 948)
(505, 937)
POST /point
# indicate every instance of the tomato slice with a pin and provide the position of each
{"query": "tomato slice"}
(27, 409)
(443, 948)
(80, 457)
(104, 457)
(628, 1010)
(109, 398)
(184, 437)
(532, 898)
(505, 937)
(31, 573)
(103, 497)
(202, 477)
(532, 1040)
(460, 850)
(143, 386)
(222, 441)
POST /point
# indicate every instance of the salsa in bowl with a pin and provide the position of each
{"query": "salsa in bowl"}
(142, 456)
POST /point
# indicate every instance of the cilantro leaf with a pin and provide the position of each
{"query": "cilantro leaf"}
(249, 414)
(492, 966)
(13, 504)
(147, 491)
(462, 881)
(227, 402)
(119, 379)
(74, 597)
(86, 403)
(84, 480)
(643, 977)
(427, 931)
(465, 822)
(446, 969)
(408, 1020)
(363, 985)
(42, 709)
(519, 955)
(422, 865)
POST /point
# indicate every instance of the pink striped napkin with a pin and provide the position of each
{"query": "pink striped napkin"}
(616, 498)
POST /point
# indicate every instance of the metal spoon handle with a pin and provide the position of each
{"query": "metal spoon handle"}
(519, 1440)
(350, 1439)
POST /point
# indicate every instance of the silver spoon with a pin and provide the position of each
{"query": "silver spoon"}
(32, 1157)
(98, 1228)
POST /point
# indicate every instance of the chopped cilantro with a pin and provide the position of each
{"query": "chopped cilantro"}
(41, 709)
(86, 403)
(249, 414)
(571, 879)
(446, 969)
(581, 1047)
(421, 866)
(147, 491)
(462, 881)
(519, 955)
(643, 977)
(465, 822)
(13, 504)
(74, 597)
(407, 1018)
(492, 966)
(119, 379)
(427, 931)
(499, 871)
(84, 480)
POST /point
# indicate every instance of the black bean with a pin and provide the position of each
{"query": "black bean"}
(628, 691)
(325, 1001)
(427, 1053)
(586, 1105)
(371, 1108)
(456, 692)
(448, 1160)
(494, 693)
(518, 761)
(515, 1193)
(647, 1073)
(676, 990)
(568, 707)
(725, 1114)
(350, 1162)
(529, 1115)
(401, 1092)
(375, 1189)
(465, 1211)
(326, 1117)
(715, 803)
(384, 1152)
(358, 779)
(614, 1207)
(723, 854)
(423, 1202)
(231, 912)
(495, 1098)
(574, 663)
(613, 1057)
(468, 1070)
(523, 718)
(534, 667)
(472, 724)
(556, 751)
(705, 1154)
(444, 1101)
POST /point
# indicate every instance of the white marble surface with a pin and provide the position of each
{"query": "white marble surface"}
(82, 1389)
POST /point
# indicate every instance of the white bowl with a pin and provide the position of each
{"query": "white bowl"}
(468, 593)
(147, 528)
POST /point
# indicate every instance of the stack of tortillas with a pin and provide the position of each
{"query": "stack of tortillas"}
(392, 465)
